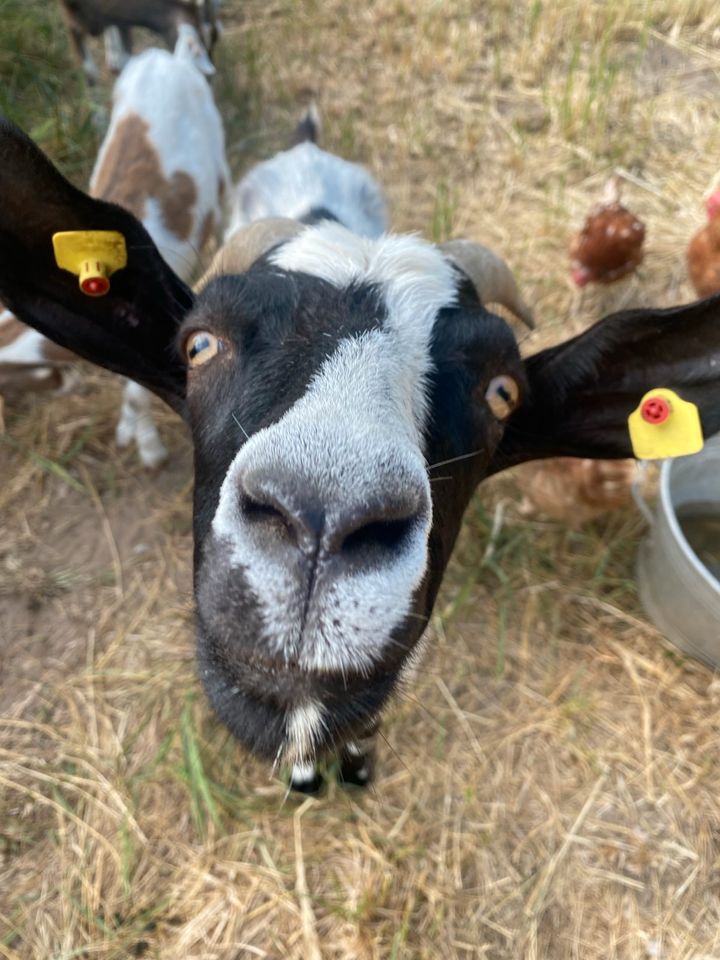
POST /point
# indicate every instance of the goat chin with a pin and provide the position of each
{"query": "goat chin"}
(252, 671)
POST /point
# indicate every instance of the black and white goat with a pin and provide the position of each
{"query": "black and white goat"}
(115, 19)
(325, 373)
(163, 159)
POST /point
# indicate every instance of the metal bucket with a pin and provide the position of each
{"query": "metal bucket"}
(680, 595)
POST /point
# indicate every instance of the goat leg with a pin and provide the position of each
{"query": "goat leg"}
(136, 423)
(118, 47)
(84, 54)
(357, 759)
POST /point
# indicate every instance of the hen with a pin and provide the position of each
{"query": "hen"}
(703, 254)
(575, 490)
(610, 244)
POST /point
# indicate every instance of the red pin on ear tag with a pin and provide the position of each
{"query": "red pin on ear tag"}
(93, 281)
(655, 409)
(664, 425)
(92, 255)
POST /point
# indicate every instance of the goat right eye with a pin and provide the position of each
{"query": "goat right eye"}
(502, 396)
(202, 346)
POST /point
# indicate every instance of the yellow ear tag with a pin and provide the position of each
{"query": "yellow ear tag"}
(663, 425)
(93, 255)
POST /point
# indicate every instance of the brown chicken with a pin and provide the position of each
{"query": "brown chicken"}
(575, 490)
(703, 254)
(610, 244)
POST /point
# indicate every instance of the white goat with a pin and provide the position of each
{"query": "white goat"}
(163, 158)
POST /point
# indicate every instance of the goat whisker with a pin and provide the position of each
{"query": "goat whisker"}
(245, 433)
(464, 456)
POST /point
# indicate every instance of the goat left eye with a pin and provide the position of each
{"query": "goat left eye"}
(502, 396)
(202, 346)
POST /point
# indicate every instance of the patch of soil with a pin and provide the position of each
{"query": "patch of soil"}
(663, 66)
(63, 579)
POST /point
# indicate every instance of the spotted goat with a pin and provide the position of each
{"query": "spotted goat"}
(329, 371)
(163, 159)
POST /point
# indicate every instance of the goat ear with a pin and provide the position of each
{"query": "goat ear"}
(581, 392)
(131, 330)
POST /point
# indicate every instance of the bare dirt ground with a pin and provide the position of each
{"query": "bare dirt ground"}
(549, 790)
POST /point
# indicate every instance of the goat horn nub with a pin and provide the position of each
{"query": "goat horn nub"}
(490, 275)
(246, 245)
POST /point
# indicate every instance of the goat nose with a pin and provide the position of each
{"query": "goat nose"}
(358, 530)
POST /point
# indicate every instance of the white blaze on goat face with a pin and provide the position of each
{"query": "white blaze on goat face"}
(355, 435)
(415, 280)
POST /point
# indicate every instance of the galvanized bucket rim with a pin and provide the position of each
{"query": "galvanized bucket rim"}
(676, 529)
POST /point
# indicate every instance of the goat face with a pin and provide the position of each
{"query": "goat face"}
(321, 404)
(324, 382)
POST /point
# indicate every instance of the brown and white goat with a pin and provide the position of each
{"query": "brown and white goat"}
(327, 371)
(116, 18)
(163, 159)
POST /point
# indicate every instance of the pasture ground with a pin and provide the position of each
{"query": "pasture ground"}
(551, 788)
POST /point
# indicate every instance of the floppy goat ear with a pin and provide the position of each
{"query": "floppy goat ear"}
(581, 392)
(131, 330)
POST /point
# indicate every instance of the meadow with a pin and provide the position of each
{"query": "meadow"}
(550, 788)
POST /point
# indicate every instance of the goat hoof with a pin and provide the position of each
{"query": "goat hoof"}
(356, 772)
(152, 456)
(305, 779)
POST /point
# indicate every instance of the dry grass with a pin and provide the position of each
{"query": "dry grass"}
(550, 790)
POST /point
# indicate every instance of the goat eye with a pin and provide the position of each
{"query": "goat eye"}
(502, 396)
(201, 347)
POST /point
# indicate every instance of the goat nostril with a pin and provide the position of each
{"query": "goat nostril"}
(367, 532)
(383, 536)
(258, 511)
(276, 511)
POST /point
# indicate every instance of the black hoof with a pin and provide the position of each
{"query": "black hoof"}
(356, 771)
(307, 786)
